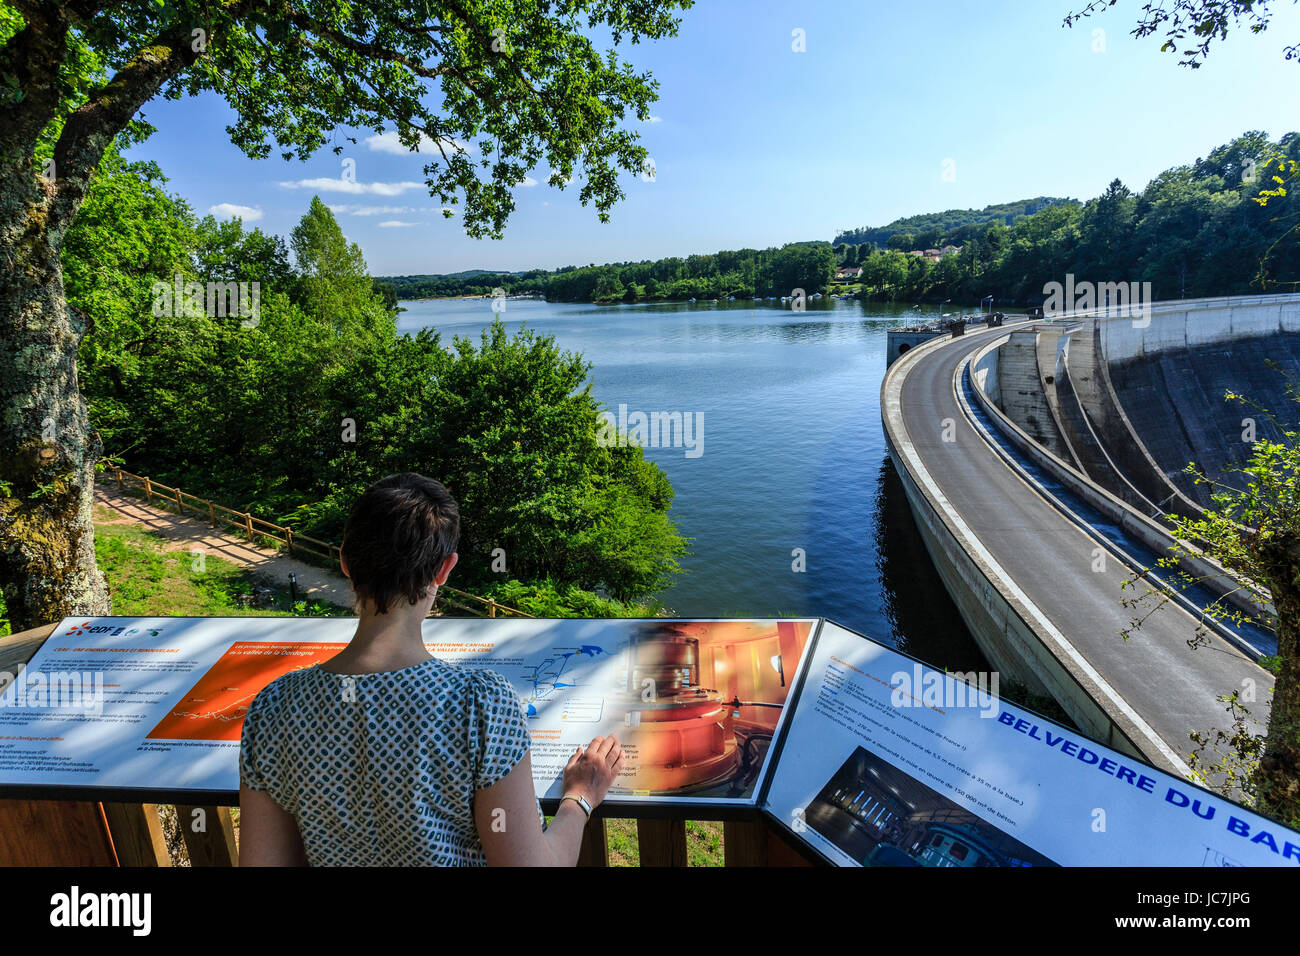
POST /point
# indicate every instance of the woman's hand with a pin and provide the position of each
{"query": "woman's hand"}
(590, 773)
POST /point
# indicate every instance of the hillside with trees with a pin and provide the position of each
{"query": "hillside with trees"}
(1194, 230)
(929, 230)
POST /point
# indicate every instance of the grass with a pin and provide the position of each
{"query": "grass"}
(146, 581)
(703, 842)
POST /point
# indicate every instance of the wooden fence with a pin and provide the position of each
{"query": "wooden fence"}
(260, 531)
(81, 833)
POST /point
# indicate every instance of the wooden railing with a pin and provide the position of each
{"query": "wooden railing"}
(296, 544)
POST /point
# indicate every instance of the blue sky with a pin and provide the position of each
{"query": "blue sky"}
(757, 145)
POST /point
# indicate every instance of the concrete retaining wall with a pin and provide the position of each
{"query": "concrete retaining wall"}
(900, 342)
(1020, 385)
(1192, 322)
(1129, 520)
(985, 374)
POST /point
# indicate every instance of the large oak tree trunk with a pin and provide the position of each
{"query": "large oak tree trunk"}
(47, 449)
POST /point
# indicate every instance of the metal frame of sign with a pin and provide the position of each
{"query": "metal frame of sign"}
(783, 826)
(620, 806)
(649, 807)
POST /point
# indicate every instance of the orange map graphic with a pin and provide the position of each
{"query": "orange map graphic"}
(214, 708)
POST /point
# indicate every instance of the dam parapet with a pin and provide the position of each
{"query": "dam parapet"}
(1041, 473)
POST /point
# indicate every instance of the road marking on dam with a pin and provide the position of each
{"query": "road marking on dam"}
(967, 539)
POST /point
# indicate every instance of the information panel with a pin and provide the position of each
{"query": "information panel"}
(158, 704)
(888, 762)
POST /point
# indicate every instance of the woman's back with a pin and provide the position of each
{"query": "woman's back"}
(380, 769)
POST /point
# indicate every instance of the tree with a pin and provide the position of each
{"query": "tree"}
(608, 287)
(1195, 22)
(332, 270)
(1105, 235)
(523, 84)
(1254, 533)
(320, 248)
(518, 413)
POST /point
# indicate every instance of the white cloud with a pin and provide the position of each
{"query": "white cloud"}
(230, 210)
(352, 210)
(326, 184)
(396, 224)
(389, 143)
(527, 181)
(655, 119)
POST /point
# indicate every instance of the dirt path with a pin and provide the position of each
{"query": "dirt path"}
(193, 534)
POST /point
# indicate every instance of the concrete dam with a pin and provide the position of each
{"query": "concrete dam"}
(1039, 459)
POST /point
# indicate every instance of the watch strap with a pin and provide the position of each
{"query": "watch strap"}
(580, 800)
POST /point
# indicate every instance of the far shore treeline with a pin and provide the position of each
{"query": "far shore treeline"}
(1194, 230)
(289, 412)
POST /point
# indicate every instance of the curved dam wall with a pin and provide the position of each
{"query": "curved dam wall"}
(1009, 628)
(1170, 375)
(1100, 407)
(1176, 401)
(1136, 399)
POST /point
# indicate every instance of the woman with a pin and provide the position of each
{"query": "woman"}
(386, 756)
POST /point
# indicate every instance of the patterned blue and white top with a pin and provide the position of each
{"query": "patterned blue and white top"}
(380, 769)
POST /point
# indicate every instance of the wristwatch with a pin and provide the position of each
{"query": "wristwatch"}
(580, 800)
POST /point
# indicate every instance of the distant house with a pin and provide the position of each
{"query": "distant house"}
(934, 255)
(848, 272)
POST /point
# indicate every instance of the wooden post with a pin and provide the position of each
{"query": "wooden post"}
(212, 515)
(492, 608)
(180, 508)
(48, 832)
(662, 842)
(119, 479)
(248, 525)
(137, 834)
(214, 845)
(288, 539)
(744, 843)
(148, 492)
(593, 852)
(54, 833)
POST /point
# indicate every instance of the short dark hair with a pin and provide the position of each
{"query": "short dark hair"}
(398, 534)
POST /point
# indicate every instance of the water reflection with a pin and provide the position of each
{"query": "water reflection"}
(922, 617)
(792, 462)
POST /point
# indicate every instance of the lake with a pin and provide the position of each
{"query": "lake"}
(790, 454)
